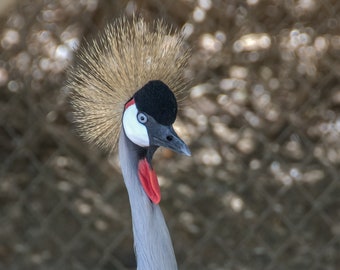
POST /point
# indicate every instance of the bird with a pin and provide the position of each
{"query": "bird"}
(125, 84)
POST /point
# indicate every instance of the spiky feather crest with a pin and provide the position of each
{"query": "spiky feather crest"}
(126, 56)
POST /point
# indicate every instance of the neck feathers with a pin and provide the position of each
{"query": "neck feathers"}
(153, 246)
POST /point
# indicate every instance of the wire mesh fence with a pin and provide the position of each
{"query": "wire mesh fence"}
(262, 119)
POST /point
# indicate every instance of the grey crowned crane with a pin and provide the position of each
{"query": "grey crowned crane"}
(124, 88)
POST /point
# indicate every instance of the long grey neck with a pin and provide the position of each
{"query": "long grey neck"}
(153, 246)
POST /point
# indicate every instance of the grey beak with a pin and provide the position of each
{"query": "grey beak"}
(166, 136)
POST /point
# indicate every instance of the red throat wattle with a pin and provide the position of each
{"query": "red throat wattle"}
(149, 181)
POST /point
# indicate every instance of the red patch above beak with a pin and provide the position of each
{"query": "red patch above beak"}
(131, 102)
(149, 181)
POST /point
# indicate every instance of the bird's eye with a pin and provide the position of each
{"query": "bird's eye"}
(142, 118)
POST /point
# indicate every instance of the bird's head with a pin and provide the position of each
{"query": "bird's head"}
(148, 118)
(110, 69)
(147, 122)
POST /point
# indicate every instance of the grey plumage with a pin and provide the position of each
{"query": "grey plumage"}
(153, 245)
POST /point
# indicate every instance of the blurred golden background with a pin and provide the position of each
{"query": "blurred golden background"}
(262, 119)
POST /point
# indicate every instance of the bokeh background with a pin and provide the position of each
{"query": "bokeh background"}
(262, 119)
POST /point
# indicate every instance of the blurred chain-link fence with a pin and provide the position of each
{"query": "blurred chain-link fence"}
(262, 120)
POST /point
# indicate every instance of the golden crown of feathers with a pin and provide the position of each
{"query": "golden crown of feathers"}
(110, 69)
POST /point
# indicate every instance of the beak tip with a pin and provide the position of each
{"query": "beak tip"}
(186, 152)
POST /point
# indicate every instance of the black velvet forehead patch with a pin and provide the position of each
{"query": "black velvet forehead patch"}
(156, 99)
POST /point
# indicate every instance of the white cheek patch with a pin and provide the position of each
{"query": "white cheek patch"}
(134, 130)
